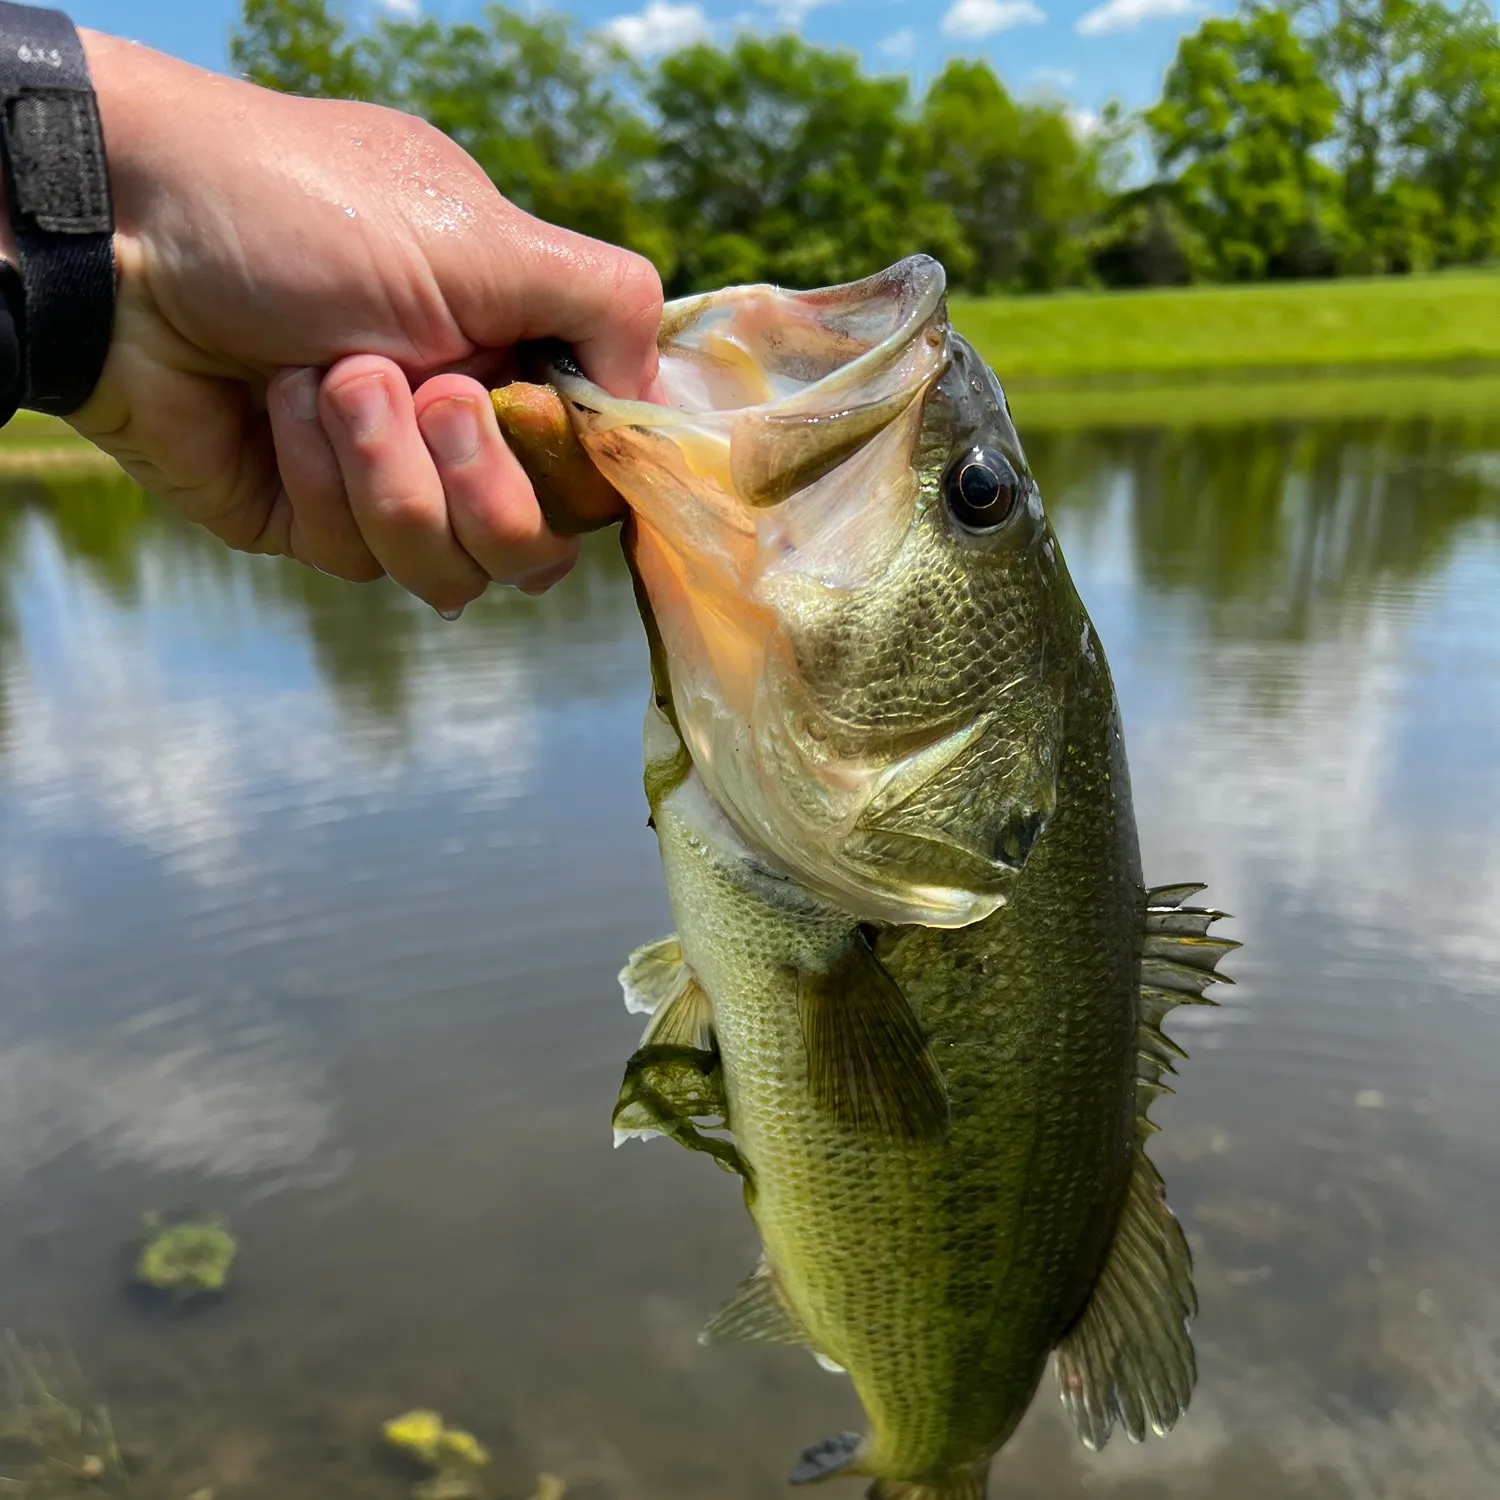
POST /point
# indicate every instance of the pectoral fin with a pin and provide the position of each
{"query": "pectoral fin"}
(868, 1061)
(1129, 1358)
(833, 1458)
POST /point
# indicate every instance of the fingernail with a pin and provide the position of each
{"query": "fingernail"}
(300, 393)
(451, 430)
(364, 405)
(450, 614)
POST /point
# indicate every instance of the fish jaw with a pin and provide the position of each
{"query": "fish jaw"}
(784, 475)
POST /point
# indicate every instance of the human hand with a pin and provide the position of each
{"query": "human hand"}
(310, 294)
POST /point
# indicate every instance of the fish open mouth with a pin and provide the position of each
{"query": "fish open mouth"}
(768, 390)
(772, 496)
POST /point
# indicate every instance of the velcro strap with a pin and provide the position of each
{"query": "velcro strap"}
(57, 187)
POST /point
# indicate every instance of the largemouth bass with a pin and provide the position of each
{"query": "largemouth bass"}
(914, 997)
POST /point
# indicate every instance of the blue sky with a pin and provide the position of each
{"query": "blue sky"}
(1086, 51)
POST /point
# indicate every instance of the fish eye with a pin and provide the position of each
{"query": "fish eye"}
(981, 487)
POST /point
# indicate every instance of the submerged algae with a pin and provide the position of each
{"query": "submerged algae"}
(54, 1440)
(185, 1256)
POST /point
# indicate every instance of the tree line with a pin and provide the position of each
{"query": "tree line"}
(1307, 138)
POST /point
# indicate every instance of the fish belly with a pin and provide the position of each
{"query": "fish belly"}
(938, 1272)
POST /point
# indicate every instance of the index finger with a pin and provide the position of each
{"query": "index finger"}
(548, 283)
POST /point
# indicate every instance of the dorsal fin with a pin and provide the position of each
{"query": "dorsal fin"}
(1128, 1357)
(868, 1060)
(756, 1314)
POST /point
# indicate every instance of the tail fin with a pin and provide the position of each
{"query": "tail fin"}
(969, 1486)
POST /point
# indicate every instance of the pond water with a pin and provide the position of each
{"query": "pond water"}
(310, 911)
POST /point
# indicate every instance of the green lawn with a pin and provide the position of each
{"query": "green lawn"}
(1452, 319)
(1398, 345)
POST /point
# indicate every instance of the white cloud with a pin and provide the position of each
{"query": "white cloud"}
(979, 18)
(1085, 122)
(792, 13)
(661, 27)
(900, 44)
(1055, 78)
(407, 10)
(114, 740)
(1126, 15)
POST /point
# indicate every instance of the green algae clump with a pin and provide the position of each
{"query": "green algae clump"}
(424, 1436)
(187, 1256)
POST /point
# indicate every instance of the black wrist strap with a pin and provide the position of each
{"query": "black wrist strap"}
(57, 190)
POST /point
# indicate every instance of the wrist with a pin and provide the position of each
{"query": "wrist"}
(138, 90)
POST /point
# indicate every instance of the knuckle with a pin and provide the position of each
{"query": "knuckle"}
(404, 511)
(504, 522)
(638, 292)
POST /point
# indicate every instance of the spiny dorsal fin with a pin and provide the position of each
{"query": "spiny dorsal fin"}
(653, 975)
(1173, 895)
(756, 1314)
(868, 1060)
(829, 1459)
(1178, 963)
(961, 1487)
(1128, 1358)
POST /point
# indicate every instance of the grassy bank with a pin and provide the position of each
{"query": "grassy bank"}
(1219, 401)
(1178, 334)
(1397, 346)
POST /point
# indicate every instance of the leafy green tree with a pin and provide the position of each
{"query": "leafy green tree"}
(1451, 134)
(1022, 184)
(299, 47)
(782, 161)
(540, 108)
(1243, 115)
(1372, 54)
(1418, 83)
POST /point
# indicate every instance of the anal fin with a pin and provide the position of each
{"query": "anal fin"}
(756, 1314)
(869, 1062)
(1128, 1358)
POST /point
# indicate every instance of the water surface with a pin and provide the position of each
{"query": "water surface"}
(311, 906)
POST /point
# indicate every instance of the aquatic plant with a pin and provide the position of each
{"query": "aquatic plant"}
(186, 1256)
(454, 1456)
(53, 1439)
(424, 1436)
